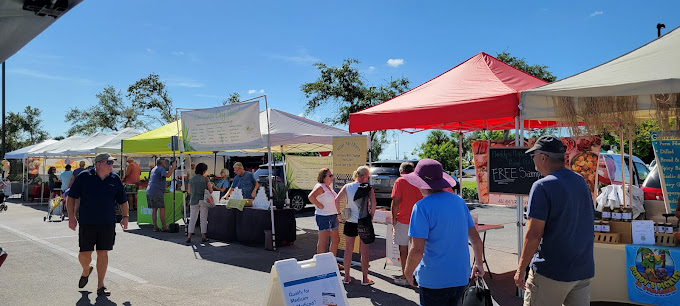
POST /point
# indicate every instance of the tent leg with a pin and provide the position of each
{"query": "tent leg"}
(460, 162)
(269, 157)
(519, 209)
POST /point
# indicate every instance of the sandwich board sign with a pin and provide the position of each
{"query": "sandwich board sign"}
(307, 283)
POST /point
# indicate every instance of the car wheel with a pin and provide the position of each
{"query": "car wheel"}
(297, 201)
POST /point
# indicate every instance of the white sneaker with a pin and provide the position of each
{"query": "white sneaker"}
(401, 281)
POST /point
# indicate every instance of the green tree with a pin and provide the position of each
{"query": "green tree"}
(233, 98)
(642, 143)
(539, 71)
(111, 113)
(24, 129)
(149, 94)
(344, 89)
(441, 146)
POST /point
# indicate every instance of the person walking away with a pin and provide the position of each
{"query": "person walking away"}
(99, 191)
(131, 177)
(156, 190)
(243, 180)
(197, 186)
(558, 244)
(404, 196)
(326, 213)
(223, 184)
(80, 169)
(351, 230)
(65, 177)
(440, 228)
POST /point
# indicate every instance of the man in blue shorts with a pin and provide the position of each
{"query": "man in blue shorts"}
(440, 228)
(99, 191)
(558, 243)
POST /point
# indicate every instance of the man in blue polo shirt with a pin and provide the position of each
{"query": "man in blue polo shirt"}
(99, 190)
(243, 180)
(558, 243)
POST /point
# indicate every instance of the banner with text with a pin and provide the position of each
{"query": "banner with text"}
(349, 153)
(303, 170)
(667, 151)
(652, 274)
(224, 128)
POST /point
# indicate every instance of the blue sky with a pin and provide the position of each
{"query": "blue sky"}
(205, 50)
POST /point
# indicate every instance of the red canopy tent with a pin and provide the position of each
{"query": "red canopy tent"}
(480, 93)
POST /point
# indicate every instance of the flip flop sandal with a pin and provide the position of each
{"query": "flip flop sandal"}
(156, 229)
(370, 282)
(346, 282)
(83, 279)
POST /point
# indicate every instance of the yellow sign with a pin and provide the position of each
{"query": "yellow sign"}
(348, 154)
(304, 169)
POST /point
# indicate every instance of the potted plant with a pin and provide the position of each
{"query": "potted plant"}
(280, 190)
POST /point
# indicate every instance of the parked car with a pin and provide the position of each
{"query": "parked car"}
(384, 174)
(298, 197)
(654, 201)
(468, 171)
(613, 161)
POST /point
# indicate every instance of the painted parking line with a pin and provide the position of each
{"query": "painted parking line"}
(66, 251)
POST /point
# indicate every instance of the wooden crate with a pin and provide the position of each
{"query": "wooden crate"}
(623, 228)
(610, 238)
(665, 239)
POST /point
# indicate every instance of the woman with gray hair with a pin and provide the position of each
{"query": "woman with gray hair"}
(351, 230)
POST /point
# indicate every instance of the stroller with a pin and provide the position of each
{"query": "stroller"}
(57, 207)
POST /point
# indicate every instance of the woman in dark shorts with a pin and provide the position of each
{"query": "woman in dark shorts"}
(361, 175)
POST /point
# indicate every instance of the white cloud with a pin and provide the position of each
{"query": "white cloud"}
(182, 82)
(596, 13)
(371, 68)
(254, 91)
(149, 50)
(395, 62)
(180, 53)
(303, 57)
(41, 75)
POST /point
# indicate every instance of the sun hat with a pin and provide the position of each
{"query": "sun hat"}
(429, 174)
(548, 143)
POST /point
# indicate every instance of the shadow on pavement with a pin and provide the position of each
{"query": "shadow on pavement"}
(99, 300)
(377, 297)
(503, 288)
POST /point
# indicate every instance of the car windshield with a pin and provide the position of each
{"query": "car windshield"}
(653, 180)
(261, 172)
(385, 169)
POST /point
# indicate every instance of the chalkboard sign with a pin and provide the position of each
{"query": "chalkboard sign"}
(511, 171)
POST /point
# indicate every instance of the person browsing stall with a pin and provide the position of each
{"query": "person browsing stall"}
(65, 177)
(156, 190)
(440, 228)
(351, 229)
(132, 174)
(197, 186)
(404, 196)
(243, 180)
(558, 244)
(99, 191)
(326, 213)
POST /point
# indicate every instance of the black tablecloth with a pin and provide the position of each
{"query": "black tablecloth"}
(248, 226)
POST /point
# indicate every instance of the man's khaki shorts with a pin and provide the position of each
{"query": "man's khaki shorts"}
(543, 291)
(400, 236)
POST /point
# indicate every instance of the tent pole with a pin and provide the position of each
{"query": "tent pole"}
(460, 161)
(519, 208)
(215, 164)
(623, 167)
(269, 163)
(283, 168)
(23, 178)
(630, 165)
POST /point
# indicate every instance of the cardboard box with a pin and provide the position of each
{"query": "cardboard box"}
(623, 228)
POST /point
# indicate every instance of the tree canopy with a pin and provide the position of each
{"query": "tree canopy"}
(24, 128)
(539, 71)
(149, 104)
(344, 90)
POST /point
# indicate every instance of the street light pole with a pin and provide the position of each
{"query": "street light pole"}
(4, 142)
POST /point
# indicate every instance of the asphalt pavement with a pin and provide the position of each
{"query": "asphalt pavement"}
(156, 268)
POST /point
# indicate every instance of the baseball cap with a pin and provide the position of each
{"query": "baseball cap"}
(548, 143)
(103, 157)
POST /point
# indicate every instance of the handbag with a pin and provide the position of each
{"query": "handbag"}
(208, 199)
(477, 293)
(365, 229)
(346, 213)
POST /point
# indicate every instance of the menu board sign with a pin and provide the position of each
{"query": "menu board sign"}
(511, 171)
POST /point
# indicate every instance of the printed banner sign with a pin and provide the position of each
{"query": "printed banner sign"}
(652, 274)
(667, 151)
(304, 170)
(349, 153)
(224, 128)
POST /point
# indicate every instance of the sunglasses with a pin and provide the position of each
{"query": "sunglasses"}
(330, 175)
(109, 162)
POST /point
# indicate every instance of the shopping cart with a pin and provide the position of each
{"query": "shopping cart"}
(56, 207)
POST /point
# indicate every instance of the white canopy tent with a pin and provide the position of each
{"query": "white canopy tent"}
(24, 152)
(651, 69)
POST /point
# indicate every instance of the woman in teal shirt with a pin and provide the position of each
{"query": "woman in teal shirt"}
(223, 184)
